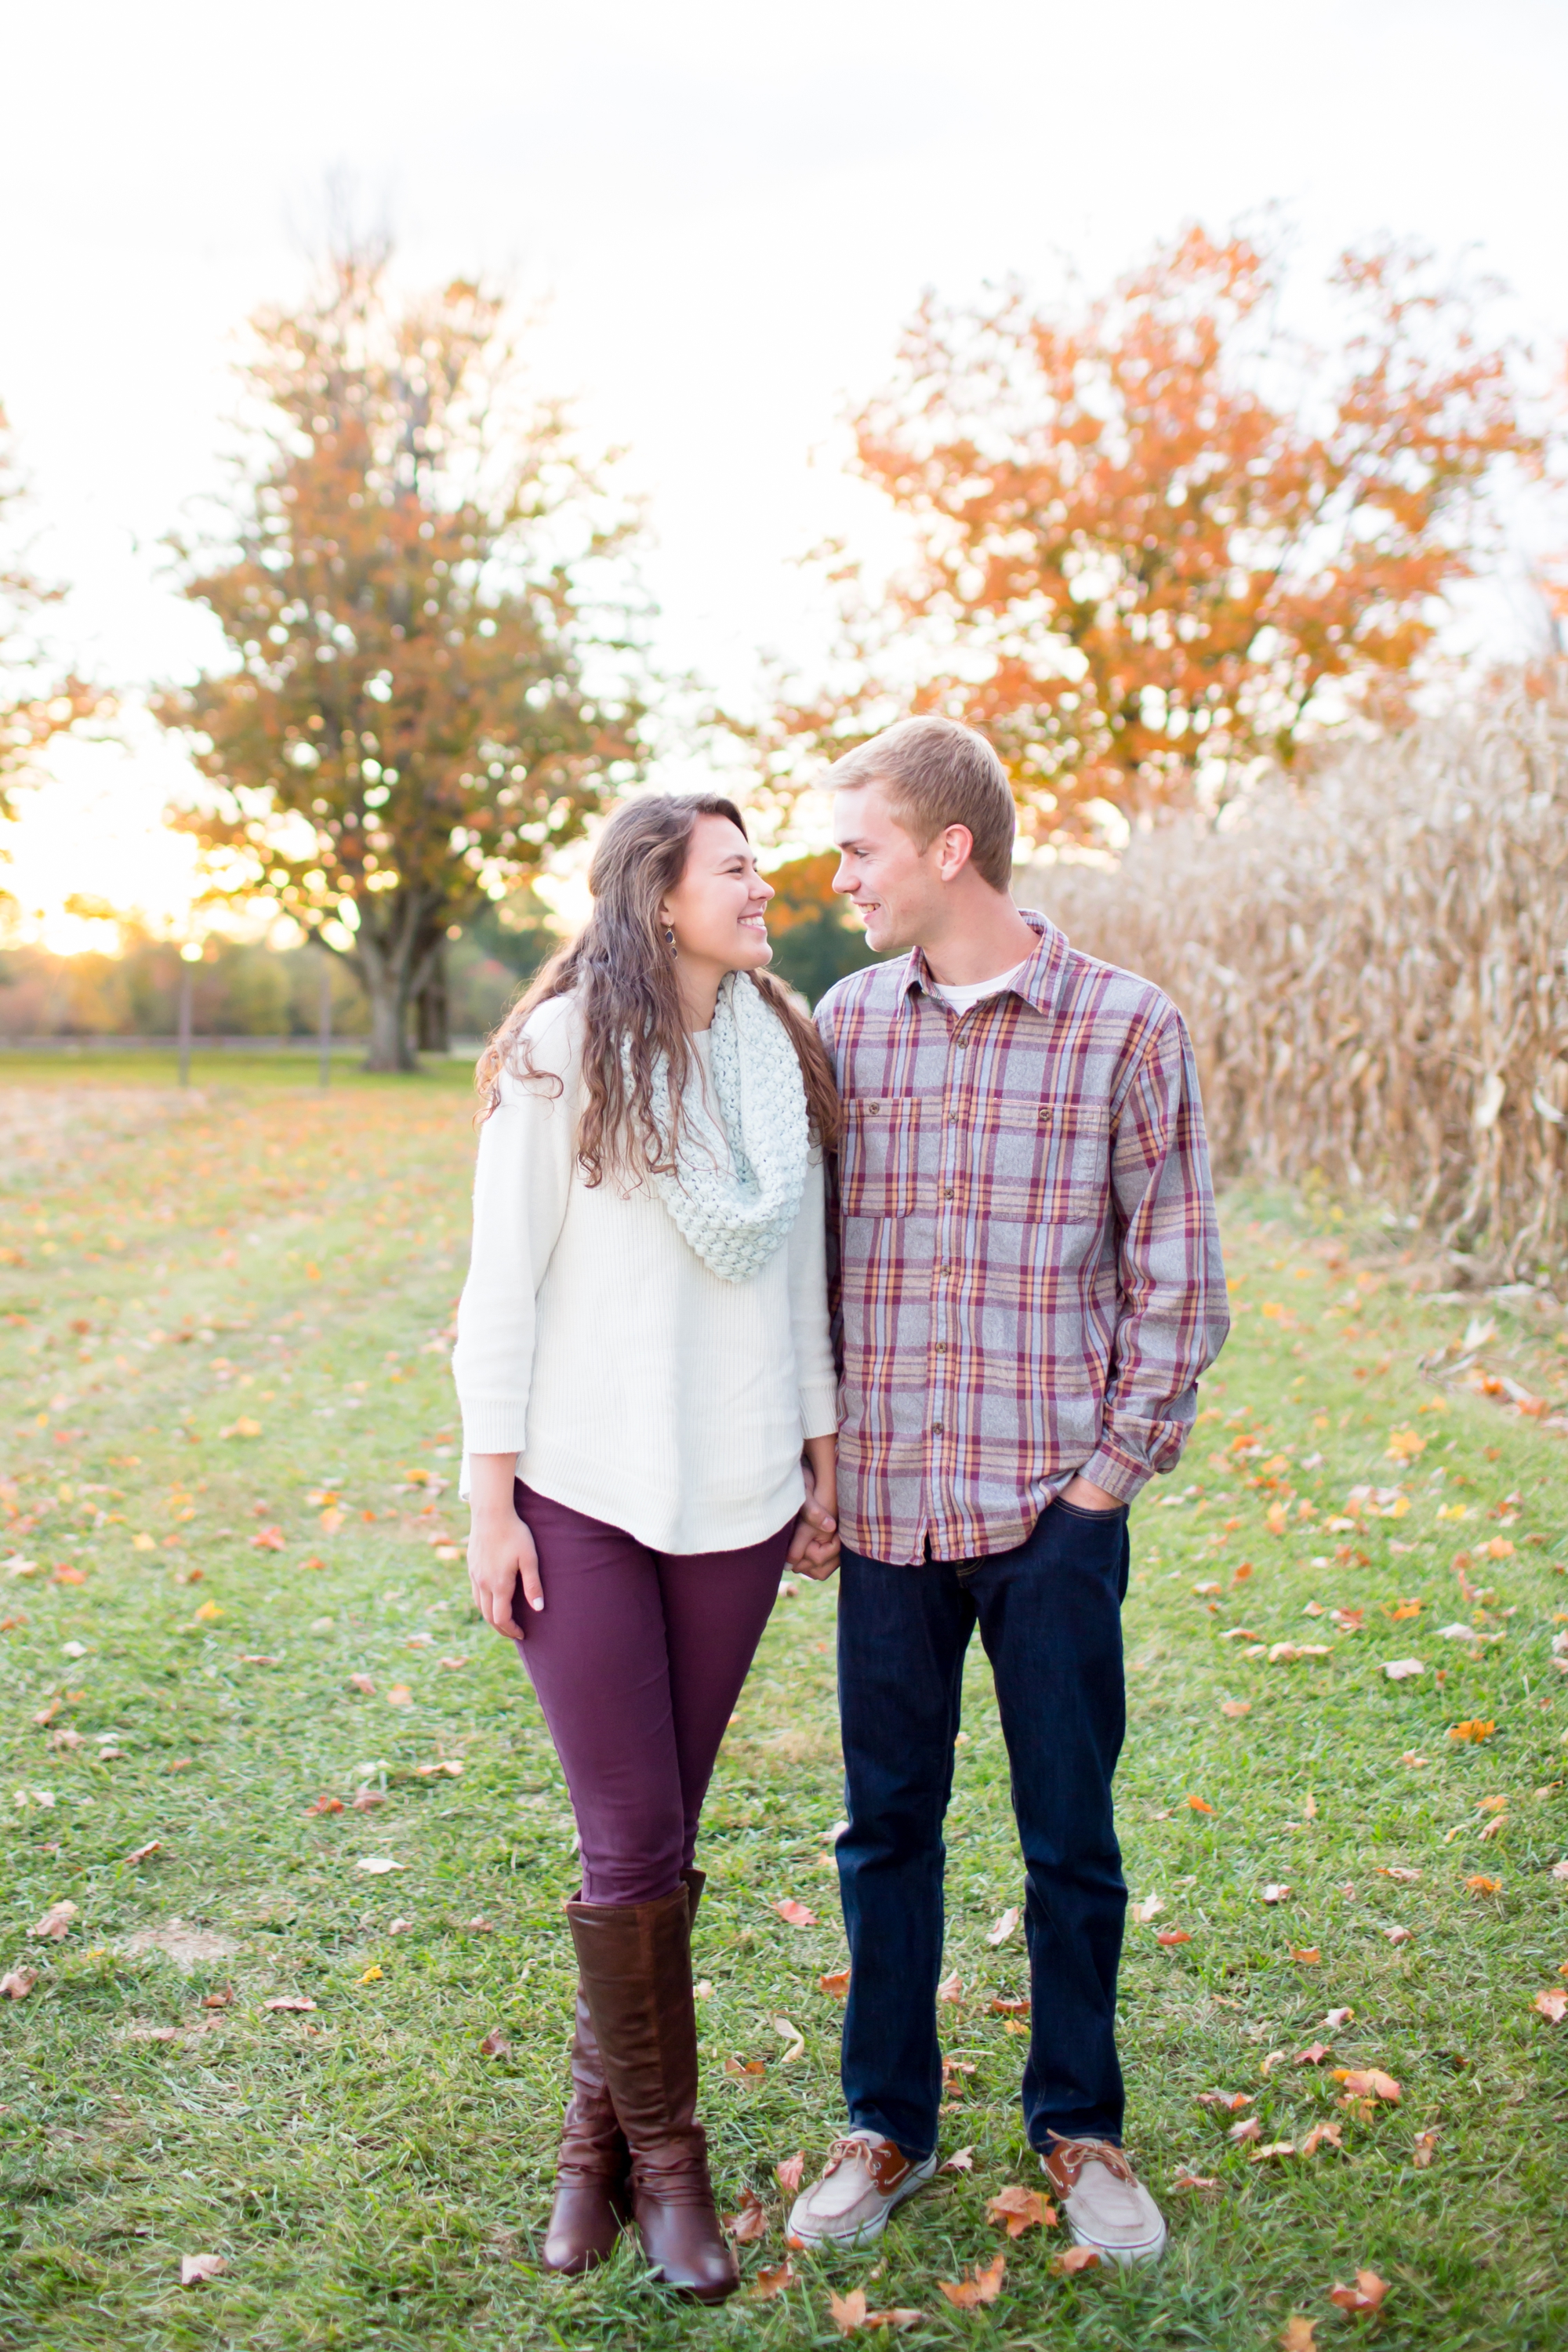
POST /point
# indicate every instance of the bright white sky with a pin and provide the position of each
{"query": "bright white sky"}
(733, 208)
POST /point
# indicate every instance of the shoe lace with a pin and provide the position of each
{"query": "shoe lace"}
(1072, 2154)
(847, 2145)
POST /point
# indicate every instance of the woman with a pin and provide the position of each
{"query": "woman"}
(642, 1354)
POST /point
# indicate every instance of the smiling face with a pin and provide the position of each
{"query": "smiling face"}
(716, 909)
(897, 889)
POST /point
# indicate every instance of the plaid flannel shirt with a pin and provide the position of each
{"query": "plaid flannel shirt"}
(1023, 1249)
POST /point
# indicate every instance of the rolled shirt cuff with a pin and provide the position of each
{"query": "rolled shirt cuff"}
(494, 1428)
(1114, 1471)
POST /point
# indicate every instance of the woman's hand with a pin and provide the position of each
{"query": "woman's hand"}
(814, 1546)
(501, 1548)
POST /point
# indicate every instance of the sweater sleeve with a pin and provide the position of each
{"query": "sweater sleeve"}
(808, 1310)
(521, 1186)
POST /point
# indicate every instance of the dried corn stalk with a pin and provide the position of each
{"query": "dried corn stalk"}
(1376, 971)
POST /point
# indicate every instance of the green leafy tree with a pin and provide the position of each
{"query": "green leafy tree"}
(423, 697)
(815, 939)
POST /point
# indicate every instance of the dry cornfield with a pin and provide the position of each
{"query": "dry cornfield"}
(1374, 966)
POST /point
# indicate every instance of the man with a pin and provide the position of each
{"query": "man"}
(1027, 1286)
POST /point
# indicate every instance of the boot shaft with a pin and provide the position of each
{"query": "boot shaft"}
(634, 1962)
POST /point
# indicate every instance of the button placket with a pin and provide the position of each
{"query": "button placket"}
(947, 1173)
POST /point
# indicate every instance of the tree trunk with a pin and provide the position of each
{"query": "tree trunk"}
(433, 1032)
(389, 1049)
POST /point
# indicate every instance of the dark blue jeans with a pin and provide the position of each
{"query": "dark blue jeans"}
(1049, 1615)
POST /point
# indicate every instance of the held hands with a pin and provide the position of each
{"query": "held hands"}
(501, 1548)
(814, 1546)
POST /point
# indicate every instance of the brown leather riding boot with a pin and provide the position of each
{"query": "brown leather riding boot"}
(592, 2166)
(635, 1961)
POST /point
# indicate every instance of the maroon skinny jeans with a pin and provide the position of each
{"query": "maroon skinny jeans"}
(637, 1657)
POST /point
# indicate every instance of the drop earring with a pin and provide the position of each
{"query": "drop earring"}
(670, 937)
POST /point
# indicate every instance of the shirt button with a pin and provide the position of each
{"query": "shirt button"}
(947, 1191)
(936, 1429)
(942, 1347)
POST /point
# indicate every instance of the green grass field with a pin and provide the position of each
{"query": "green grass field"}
(254, 1734)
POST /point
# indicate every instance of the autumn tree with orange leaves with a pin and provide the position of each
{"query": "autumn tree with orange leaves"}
(1158, 543)
(37, 701)
(407, 725)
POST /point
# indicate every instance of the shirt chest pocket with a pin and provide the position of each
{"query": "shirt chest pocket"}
(1040, 1162)
(877, 1156)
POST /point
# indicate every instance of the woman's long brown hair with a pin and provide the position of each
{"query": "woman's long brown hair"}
(622, 972)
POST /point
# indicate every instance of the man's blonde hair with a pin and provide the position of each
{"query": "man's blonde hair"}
(937, 773)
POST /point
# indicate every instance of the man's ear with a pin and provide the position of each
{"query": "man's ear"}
(955, 846)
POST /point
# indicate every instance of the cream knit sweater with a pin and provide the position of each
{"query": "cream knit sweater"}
(633, 1384)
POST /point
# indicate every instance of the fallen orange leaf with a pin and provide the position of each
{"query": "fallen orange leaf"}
(790, 2173)
(1169, 1936)
(950, 1989)
(1552, 2004)
(1365, 2295)
(1323, 2136)
(495, 2044)
(1368, 2082)
(793, 1914)
(1075, 2258)
(961, 2160)
(1017, 2209)
(1313, 2056)
(1475, 1730)
(1426, 2147)
(1198, 1805)
(1230, 2102)
(291, 2002)
(196, 2268)
(1235, 1706)
(750, 2222)
(55, 1925)
(979, 2287)
(768, 2283)
(1297, 2335)
(1003, 2007)
(1308, 1956)
(1480, 1884)
(836, 1982)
